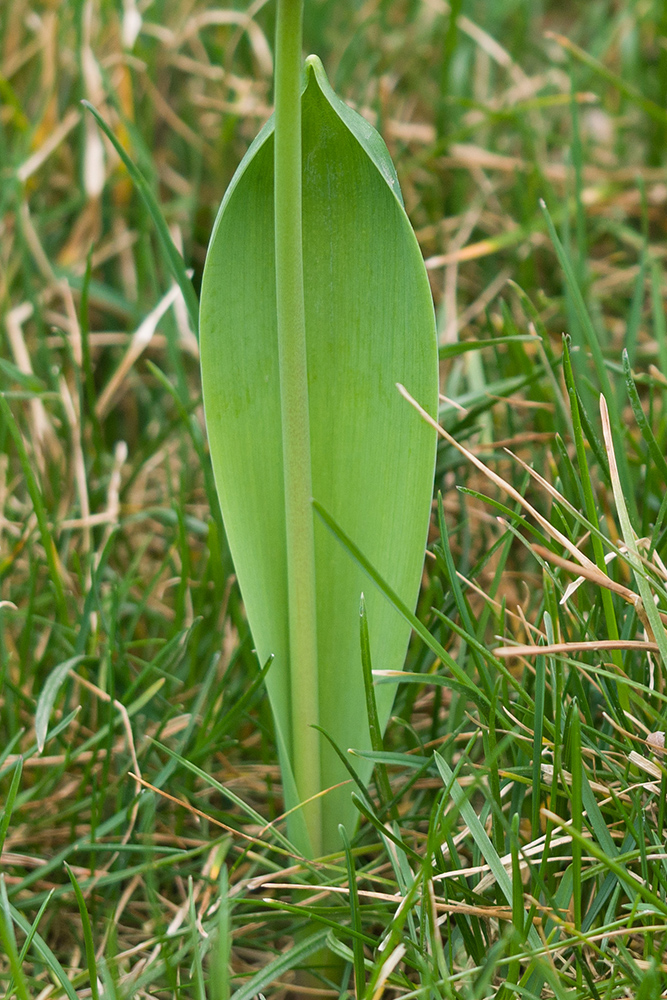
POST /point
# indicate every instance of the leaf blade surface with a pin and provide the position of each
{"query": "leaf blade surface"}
(369, 325)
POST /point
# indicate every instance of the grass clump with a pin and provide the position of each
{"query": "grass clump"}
(511, 842)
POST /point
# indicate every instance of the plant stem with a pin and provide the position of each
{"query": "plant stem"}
(305, 750)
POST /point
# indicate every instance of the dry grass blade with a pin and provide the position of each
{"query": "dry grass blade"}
(598, 645)
(502, 484)
(593, 574)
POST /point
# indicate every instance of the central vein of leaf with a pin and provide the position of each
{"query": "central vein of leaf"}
(295, 417)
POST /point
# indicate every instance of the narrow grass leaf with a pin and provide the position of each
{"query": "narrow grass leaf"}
(33, 927)
(633, 886)
(246, 699)
(630, 539)
(355, 913)
(274, 970)
(462, 347)
(8, 941)
(473, 691)
(576, 767)
(222, 945)
(649, 107)
(228, 792)
(47, 698)
(589, 500)
(174, 259)
(591, 338)
(197, 963)
(480, 836)
(6, 817)
(27, 380)
(642, 422)
(374, 727)
(385, 830)
(40, 510)
(87, 934)
(538, 729)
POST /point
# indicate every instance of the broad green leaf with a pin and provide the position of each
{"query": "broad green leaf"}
(369, 325)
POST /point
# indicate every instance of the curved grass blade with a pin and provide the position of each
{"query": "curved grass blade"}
(642, 422)
(274, 970)
(47, 698)
(174, 259)
(369, 323)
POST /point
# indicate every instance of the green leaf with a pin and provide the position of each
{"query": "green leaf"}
(369, 324)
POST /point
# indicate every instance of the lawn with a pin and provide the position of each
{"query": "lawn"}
(511, 840)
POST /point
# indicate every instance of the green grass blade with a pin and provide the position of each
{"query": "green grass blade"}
(222, 945)
(538, 730)
(47, 698)
(195, 938)
(355, 913)
(374, 727)
(33, 928)
(591, 338)
(480, 837)
(634, 886)
(87, 934)
(279, 966)
(6, 817)
(173, 257)
(40, 511)
(8, 942)
(630, 539)
(589, 501)
(473, 690)
(462, 347)
(576, 767)
(642, 422)
(628, 90)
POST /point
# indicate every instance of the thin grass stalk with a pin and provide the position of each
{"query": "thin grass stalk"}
(576, 767)
(355, 914)
(518, 913)
(658, 314)
(87, 935)
(17, 983)
(291, 319)
(9, 801)
(538, 725)
(381, 777)
(629, 537)
(591, 510)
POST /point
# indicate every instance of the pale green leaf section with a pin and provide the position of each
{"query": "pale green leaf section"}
(369, 325)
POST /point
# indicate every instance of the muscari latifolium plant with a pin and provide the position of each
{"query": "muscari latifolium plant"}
(315, 303)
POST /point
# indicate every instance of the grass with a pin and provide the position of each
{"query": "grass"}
(512, 841)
